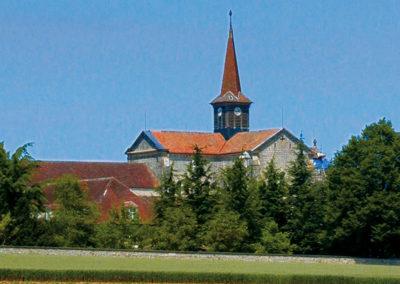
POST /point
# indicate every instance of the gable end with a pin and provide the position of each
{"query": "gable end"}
(146, 142)
(280, 133)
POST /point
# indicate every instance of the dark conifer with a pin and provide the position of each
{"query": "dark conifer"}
(197, 187)
(169, 194)
(273, 191)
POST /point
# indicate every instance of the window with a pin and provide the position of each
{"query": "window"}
(230, 120)
(48, 214)
(220, 118)
(238, 121)
(245, 120)
(132, 212)
(166, 162)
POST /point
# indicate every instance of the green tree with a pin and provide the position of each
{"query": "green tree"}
(310, 235)
(299, 172)
(75, 217)
(364, 199)
(273, 240)
(120, 231)
(20, 199)
(307, 206)
(225, 231)
(273, 191)
(239, 194)
(198, 188)
(177, 231)
(4, 222)
(169, 194)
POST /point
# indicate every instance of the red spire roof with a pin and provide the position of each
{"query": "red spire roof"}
(231, 80)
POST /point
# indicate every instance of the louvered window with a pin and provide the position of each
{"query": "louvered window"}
(231, 119)
(238, 121)
(245, 120)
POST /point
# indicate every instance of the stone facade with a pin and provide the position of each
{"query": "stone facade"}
(281, 148)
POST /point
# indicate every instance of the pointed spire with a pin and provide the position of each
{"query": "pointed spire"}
(230, 81)
(231, 91)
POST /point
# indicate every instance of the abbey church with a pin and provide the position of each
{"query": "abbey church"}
(133, 184)
(230, 139)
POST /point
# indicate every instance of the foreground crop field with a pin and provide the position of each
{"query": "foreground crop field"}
(195, 270)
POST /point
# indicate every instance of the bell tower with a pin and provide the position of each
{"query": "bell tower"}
(231, 107)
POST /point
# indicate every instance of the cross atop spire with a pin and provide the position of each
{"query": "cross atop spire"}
(230, 22)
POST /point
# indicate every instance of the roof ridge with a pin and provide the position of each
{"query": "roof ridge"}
(119, 182)
(108, 185)
(85, 162)
(181, 131)
(97, 179)
(263, 130)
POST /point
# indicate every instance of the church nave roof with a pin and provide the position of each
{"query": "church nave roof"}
(183, 142)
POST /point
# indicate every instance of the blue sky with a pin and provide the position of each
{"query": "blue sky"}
(77, 77)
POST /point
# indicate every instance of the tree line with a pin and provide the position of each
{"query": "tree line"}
(354, 210)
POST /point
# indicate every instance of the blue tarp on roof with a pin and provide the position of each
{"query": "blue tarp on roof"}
(321, 164)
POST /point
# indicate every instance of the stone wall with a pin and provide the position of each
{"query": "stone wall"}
(181, 162)
(154, 161)
(216, 256)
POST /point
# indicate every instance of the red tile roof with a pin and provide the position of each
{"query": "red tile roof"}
(178, 142)
(246, 141)
(132, 175)
(110, 192)
(108, 184)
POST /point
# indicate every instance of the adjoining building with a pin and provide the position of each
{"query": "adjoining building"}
(231, 138)
(109, 185)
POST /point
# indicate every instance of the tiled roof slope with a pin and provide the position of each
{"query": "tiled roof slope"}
(231, 80)
(132, 175)
(180, 142)
(246, 141)
(115, 194)
(212, 143)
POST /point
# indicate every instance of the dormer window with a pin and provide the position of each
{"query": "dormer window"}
(132, 212)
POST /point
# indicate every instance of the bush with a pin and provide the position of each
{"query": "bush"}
(224, 232)
(273, 241)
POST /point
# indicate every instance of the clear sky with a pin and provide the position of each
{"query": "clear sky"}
(77, 77)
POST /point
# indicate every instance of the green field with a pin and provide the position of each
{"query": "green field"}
(93, 265)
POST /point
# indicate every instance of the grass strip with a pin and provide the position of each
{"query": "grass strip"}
(179, 277)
